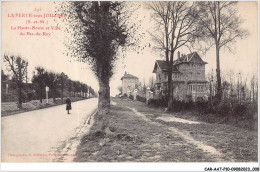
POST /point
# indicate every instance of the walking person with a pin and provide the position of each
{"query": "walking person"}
(68, 106)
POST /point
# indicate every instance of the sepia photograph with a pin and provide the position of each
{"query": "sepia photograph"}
(171, 83)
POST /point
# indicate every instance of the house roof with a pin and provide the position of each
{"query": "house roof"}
(183, 59)
(188, 58)
(163, 66)
(128, 75)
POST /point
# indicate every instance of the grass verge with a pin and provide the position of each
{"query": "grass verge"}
(139, 140)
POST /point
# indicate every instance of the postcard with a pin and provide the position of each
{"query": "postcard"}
(129, 81)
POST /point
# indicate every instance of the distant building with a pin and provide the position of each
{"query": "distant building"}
(129, 83)
(189, 82)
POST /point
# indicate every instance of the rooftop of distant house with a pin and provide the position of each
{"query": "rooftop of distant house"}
(128, 75)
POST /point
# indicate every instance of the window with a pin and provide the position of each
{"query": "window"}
(190, 87)
(194, 87)
(191, 75)
(198, 74)
(200, 88)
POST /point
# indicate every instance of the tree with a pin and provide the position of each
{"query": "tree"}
(70, 86)
(4, 77)
(175, 27)
(62, 79)
(84, 88)
(52, 82)
(253, 85)
(219, 25)
(18, 66)
(151, 83)
(99, 30)
(39, 81)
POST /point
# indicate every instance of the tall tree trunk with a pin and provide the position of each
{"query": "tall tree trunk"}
(170, 66)
(170, 92)
(103, 103)
(219, 88)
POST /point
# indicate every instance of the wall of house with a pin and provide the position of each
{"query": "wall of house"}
(129, 84)
(161, 76)
(192, 71)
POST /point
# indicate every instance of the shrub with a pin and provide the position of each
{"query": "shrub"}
(223, 109)
(202, 106)
(154, 102)
(131, 97)
(240, 110)
(182, 105)
(141, 99)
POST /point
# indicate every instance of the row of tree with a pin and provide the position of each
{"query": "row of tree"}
(236, 86)
(58, 83)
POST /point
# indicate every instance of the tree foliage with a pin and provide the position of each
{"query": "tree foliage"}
(18, 67)
(98, 31)
(39, 81)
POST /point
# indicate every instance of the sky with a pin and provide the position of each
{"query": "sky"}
(49, 51)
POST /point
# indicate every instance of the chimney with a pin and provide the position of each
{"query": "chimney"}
(179, 54)
(125, 73)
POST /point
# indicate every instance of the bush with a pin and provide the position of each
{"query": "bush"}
(131, 97)
(157, 102)
(182, 105)
(124, 96)
(141, 99)
(240, 110)
(202, 106)
(223, 109)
